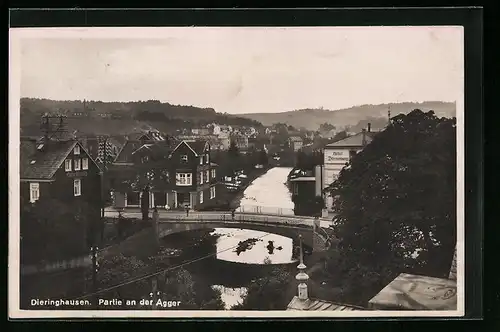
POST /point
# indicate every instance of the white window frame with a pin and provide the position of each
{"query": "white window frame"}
(184, 158)
(78, 164)
(207, 176)
(201, 177)
(201, 197)
(188, 179)
(77, 189)
(76, 150)
(85, 163)
(212, 192)
(213, 173)
(201, 160)
(34, 191)
(208, 158)
(67, 165)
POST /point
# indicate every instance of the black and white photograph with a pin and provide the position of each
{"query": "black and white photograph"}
(236, 172)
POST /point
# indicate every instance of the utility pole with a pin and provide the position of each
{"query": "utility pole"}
(104, 141)
(95, 267)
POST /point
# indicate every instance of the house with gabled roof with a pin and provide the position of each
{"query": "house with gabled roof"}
(189, 178)
(58, 169)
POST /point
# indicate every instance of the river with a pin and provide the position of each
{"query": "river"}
(269, 193)
(241, 255)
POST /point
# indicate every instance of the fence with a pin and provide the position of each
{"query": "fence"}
(267, 210)
(56, 266)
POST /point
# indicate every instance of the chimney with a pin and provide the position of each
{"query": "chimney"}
(369, 127)
(302, 276)
(363, 142)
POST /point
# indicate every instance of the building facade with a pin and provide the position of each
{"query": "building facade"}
(61, 170)
(295, 143)
(337, 155)
(183, 174)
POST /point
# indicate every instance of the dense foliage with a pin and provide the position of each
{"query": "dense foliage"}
(176, 285)
(396, 205)
(307, 161)
(52, 230)
(271, 292)
(153, 111)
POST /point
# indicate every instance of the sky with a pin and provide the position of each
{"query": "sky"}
(245, 70)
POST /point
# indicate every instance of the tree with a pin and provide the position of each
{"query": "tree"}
(396, 204)
(181, 286)
(52, 230)
(178, 285)
(233, 150)
(117, 269)
(339, 136)
(269, 293)
(263, 158)
(326, 127)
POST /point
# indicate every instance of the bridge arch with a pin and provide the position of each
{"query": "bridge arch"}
(310, 238)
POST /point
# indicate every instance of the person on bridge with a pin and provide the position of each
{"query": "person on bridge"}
(187, 210)
(233, 212)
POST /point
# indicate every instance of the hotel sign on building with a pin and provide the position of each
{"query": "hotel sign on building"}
(338, 154)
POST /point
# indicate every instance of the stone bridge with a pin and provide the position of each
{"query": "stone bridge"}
(313, 236)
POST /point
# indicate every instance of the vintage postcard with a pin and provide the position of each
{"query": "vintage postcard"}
(236, 172)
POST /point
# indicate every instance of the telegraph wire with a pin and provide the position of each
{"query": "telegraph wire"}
(160, 272)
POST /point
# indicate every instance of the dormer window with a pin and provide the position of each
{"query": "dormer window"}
(184, 158)
(76, 150)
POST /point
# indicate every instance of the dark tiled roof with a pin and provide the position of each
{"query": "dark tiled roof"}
(43, 164)
(354, 141)
(197, 145)
(126, 151)
(161, 148)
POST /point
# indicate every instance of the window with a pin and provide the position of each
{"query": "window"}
(213, 173)
(78, 164)
(184, 158)
(34, 191)
(201, 177)
(184, 179)
(212, 192)
(77, 187)
(67, 165)
(208, 158)
(144, 159)
(77, 149)
(207, 173)
(201, 197)
(85, 163)
(201, 160)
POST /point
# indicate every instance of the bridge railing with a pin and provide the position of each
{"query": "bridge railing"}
(267, 210)
(243, 218)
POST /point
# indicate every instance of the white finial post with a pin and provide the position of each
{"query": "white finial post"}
(302, 276)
